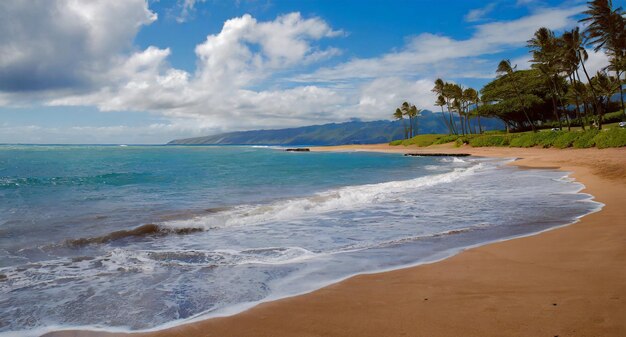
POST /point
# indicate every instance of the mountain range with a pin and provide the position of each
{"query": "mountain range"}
(352, 132)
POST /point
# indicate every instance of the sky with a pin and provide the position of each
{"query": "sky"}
(146, 72)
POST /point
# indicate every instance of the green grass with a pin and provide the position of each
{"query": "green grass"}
(586, 139)
(609, 120)
(565, 139)
(492, 140)
(425, 140)
(610, 136)
(614, 137)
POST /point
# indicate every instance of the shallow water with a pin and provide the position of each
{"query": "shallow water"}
(138, 237)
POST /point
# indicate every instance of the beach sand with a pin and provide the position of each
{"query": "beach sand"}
(570, 281)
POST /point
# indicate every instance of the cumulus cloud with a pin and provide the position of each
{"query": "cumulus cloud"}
(243, 54)
(64, 44)
(430, 55)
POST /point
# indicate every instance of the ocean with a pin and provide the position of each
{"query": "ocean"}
(125, 238)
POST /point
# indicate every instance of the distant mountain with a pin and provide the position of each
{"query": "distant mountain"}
(352, 132)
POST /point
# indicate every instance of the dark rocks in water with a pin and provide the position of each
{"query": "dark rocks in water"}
(436, 154)
(298, 149)
(141, 231)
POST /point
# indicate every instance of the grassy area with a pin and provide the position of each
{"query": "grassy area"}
(610, 119)
(610, 136)
(425, 140)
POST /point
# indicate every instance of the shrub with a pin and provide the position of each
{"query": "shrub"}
(489, 140)
(585, 139)
(528, 139)
(424, 140)
(547, 139)
(613, 137)
(465, 139)
(566, 139)
(613, 117)
(446, 139)
(396, 142)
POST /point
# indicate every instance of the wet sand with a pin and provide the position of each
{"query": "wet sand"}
(569, 281)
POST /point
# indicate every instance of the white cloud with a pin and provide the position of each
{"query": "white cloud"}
(379, 98)
(242, 55)
(187, 9)
(433, 55)
(64, 44)
(479, 14)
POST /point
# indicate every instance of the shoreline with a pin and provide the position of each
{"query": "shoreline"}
(361, 301)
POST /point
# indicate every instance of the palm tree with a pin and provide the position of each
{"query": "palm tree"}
(572, 54)
(505, 69)
(607, 30)
(454, 92)
(405, 108)
(441, 101)
(473, 98)
(414, 113)
(409, 110)
(441, 90)
(400, 116)
(606, 86)
(581, 91)
(547, 57)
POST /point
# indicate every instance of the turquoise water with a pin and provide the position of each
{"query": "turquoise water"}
(139, 237)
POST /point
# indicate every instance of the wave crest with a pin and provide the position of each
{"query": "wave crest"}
(345, 198)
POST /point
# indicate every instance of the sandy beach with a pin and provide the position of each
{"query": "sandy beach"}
(569, 281)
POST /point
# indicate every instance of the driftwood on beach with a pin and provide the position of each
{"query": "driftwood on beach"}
(436, 154)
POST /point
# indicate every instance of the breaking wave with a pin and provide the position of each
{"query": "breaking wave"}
(346, 198)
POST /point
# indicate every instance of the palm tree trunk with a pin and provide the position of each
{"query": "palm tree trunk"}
(404, 127)
(572, 82)
(593, 91)
(452, 124)
(480, 128)
(462, 121)
(445, 120)
(584, 99)
(519, 96)
(559, 95)
(555, 107)
(621, 96)
(556, 114)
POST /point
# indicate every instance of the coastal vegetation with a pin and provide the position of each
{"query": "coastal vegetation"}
(557, 93)
(409, 110)
(610, 137)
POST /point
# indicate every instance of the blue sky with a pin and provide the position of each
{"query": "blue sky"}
(147, 72)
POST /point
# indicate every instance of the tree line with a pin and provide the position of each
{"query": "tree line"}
(557, 91)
